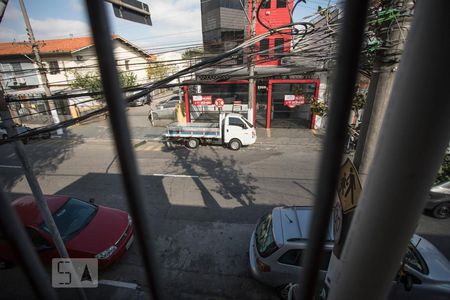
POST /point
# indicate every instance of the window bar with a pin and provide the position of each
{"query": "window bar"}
(122, 137)
(351, 36)
(15, 233)
(414, 135)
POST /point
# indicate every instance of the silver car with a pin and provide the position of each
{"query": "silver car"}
(280, 240)
(163, 111)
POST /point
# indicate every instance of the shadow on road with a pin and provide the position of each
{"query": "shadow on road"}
(230, 179)
(45, 156)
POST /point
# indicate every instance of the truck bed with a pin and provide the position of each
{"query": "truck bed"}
(205, 130)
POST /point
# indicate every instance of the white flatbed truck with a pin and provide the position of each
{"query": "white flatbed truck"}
(232, 130)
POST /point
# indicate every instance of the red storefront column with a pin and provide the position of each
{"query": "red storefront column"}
(186, 103)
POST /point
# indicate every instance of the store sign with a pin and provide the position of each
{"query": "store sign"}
(202, 100)
(292, 101)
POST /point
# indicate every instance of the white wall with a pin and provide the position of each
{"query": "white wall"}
(88, 63)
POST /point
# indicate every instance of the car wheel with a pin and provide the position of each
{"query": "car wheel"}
(235, 144)
(442, 211)
(283, 291)
(193, 143)
(4, 137)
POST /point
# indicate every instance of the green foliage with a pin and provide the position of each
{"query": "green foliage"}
(320, 108)
(88, 81)
(158, 70)
(192, 53)
(444, 171)
(92, 83)
(127, 79)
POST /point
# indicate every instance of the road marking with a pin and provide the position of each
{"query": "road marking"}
(150, 147)
(12, 167)
(174, 175)
(121, 284)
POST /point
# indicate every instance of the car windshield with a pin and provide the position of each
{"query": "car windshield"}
(72, 217)
(414, 259)
(265, 242)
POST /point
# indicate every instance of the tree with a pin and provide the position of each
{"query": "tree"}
(91, 81)
(192, 53)
(158, 70)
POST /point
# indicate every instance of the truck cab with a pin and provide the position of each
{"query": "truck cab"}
(237, 131)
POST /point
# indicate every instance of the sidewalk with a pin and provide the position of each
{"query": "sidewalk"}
(287, 136)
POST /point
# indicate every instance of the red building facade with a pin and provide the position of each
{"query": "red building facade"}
(272, 14)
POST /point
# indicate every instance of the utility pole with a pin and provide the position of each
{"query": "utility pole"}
(394, 31)
(251, 66)
(41, 68)
(31, 178)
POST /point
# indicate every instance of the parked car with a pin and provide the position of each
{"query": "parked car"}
(280, 240)
(173, 99)
(88, 230)
(438, 203)
(163, 111)
(140, 101)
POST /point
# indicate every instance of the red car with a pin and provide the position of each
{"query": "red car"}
(88, 230)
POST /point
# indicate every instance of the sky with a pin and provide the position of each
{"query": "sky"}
(175, 22)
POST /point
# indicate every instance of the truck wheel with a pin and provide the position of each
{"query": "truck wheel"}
(193, 143)
(235, 144)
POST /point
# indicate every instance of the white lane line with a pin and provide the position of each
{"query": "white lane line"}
(121, 284)
(174, 175)
(11, 167)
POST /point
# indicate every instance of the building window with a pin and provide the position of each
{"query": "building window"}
(17, 68)
(264, 46)
(53, 67)
(279, 46)
(265, 4)
(281, 3)
(127, 65)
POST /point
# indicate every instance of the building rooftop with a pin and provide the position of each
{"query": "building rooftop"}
(68, 45)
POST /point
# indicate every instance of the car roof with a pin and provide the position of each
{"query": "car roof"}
(28, 211)
(292, 224)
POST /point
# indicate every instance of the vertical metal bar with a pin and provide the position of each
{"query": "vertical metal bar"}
(122, 137)
(413, 139)
(355, 12)
(33, 269)
(269, 105)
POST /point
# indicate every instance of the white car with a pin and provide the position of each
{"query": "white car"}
(280, 239)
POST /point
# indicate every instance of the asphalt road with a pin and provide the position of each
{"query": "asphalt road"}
(202, 204)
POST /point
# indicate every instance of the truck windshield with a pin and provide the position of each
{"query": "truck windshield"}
(265, 242)
(247, 122)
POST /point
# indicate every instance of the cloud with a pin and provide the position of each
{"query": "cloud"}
(13, 28)
(77, 6)
(174, 22)
(58, 28)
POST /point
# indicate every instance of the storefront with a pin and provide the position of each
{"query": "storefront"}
(279, 103)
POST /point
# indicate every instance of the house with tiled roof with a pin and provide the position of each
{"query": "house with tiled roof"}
(62, 58)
